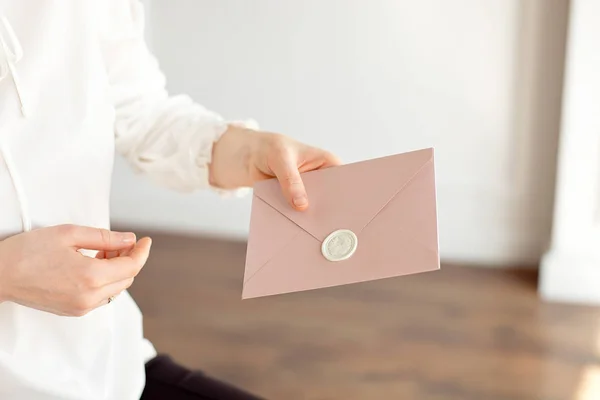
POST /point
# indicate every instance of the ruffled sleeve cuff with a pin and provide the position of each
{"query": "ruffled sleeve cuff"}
(204, 158)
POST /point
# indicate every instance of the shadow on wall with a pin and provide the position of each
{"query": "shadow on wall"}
(539, 75)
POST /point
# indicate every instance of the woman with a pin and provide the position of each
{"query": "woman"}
(78, 82)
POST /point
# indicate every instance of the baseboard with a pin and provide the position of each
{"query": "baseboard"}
(570, 278)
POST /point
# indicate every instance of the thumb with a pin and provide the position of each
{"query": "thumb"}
(286, 171)
(82, 237)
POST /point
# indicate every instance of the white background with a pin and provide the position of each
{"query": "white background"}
(478, 80)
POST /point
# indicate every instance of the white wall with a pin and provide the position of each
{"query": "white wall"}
(479, 81)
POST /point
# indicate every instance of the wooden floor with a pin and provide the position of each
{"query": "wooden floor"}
(458, 333)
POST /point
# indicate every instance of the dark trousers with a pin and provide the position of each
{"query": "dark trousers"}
(166, 380)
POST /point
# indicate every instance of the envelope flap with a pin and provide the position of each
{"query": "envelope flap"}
(348, 196)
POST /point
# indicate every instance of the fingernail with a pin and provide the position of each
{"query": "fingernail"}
(300, 201)
(127, 237)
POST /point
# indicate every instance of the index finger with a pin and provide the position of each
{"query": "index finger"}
(286, 170)
(85, 237)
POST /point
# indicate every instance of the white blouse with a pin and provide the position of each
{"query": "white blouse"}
(76, 82)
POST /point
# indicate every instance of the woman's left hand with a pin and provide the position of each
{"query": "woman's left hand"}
(242, 157)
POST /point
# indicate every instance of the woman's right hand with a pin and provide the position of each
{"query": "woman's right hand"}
(43, 268)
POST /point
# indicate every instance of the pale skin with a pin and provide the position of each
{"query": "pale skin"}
(43, 268)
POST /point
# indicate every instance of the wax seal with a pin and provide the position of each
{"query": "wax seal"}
(339, 245)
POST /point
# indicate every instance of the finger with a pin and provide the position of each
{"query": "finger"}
(113, 290)
(108, 254)
(330, 160)
(140, 252)
(113, 253)
(286, 170)
(99, 297)
(123, 267)
(318, 159)
(82, 237)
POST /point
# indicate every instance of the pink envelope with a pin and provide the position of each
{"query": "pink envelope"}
(367, 220)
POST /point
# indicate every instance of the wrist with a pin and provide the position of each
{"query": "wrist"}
(231, 155)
